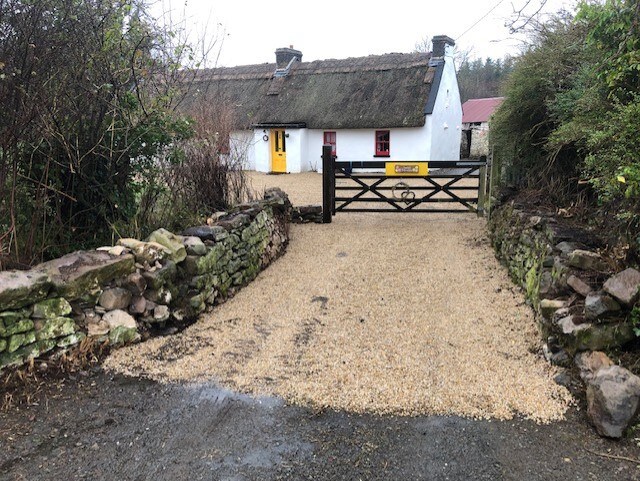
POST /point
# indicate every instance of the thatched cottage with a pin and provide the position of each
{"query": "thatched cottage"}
(394, 106)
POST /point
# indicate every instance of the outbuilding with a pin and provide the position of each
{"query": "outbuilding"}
(476, 115)
(396, 107)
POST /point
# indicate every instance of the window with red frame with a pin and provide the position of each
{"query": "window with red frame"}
(382, 143)
(330, 139)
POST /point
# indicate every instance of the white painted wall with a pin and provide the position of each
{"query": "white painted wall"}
(296, 143)
(241, 145)
(446, 120)
(304, 147)
(262, 151)
(356, 145)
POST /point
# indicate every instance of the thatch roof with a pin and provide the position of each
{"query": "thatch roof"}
(377, 91)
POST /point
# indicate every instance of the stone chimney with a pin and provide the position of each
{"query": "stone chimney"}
(284, 56)
(440, 43)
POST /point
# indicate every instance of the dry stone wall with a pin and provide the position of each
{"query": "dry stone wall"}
(583, 305)
(116, 293)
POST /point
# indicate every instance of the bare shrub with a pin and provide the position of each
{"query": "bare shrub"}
(195, 177)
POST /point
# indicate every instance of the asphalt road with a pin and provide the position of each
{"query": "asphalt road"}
(100, 427)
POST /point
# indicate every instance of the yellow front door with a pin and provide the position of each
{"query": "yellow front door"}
(278, 151)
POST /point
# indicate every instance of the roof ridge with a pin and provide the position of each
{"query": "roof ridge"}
(374, 62)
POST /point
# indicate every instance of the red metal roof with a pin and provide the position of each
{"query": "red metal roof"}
(479, 110)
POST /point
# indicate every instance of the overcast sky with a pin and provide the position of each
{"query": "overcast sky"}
(249, 31)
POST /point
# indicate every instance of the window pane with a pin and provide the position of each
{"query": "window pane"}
(382, 142)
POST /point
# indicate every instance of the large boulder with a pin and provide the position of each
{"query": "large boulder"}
(624, 286)
(21, 288)
(80, 274)
(172, 242)
(613, 396)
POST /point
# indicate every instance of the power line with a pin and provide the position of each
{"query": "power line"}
(481, 19)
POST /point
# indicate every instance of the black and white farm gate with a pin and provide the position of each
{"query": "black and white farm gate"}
(352, 187)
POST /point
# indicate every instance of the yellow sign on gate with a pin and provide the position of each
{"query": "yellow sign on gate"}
(406, 169)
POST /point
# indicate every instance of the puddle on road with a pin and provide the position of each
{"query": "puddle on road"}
(252, 431)
(219, 395)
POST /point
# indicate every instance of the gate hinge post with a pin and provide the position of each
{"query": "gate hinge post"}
(328, 193)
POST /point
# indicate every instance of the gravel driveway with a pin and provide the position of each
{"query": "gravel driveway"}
(374, 313)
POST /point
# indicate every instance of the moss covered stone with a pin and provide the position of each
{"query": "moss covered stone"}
(15, 342)
(35, 349)
(29, 337)
(52, 308)
(532, 285)
(3, 344)
(70, 340)
(24, 325)
(197, 301)
(206, 282)
(209, 262)
(249, 232)
(189, 267)
(234, 266)
(11, 359)
(238, 279)
(232, 241)
(597, 337)
(161, 277)
(53, 328)
(121, 335)
(81, 273)
(21, 288)
(8, 318)
(173, 242)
